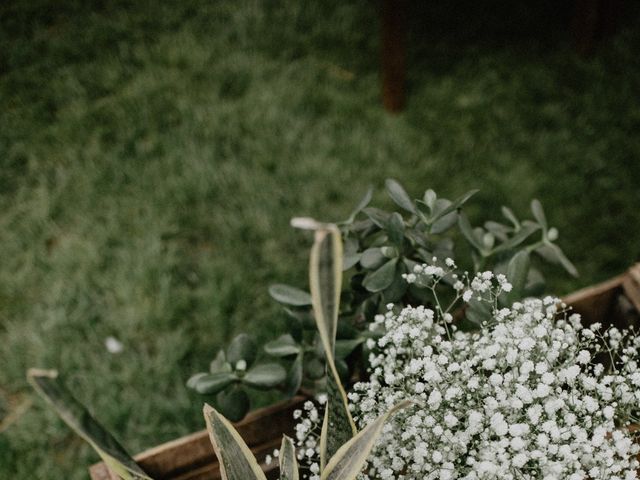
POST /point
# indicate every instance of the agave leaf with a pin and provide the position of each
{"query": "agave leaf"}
(51, 388)
(348, 461)
(338, 427)
(325, 278)
(323, 439)
(288, 461)
(236, 460)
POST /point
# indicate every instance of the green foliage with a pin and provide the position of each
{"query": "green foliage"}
(288, 460)
(380, 246)
(236, 460)
(50, 387)
(152, 155)
(238, 463)
(234, 374)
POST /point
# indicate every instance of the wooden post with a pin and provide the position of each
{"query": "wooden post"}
(393, 53)
(594, 20)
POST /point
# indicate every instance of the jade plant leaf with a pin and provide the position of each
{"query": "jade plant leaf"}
(348, 461)
(242, 347)
(283, 346)
(234, 403)
(266, 375)
(236, 460)
(288, 461)
(294, 380)
(220, 364)
(289, 295)
(50, 387)
(212, 383)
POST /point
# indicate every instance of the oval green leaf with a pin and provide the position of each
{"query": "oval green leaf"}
(242, 347)
(289, 295)
(213, 383)
(399, 195)
(381, 278)
(234, 403)
(266, 375)
(283, 346)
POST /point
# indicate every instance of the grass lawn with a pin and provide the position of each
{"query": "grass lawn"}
(151, 156)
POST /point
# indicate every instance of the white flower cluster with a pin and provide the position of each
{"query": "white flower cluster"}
(528, 396)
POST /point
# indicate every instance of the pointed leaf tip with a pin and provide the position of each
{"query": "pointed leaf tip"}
(236, 460)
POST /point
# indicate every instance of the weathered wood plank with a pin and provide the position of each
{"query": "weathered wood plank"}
(192, 458)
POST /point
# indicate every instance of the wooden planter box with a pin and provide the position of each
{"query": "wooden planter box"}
(616, 301)
(192, 458)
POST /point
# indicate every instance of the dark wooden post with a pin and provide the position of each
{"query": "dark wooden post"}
(594, 20)
(393, 53)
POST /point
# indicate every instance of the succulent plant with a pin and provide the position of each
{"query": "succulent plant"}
(381, 246)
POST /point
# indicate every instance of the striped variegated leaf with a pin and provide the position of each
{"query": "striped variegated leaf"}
(338, 427)
(236, 460)
(288, 461)
(50, 387)
(325, 279)
(351, 457)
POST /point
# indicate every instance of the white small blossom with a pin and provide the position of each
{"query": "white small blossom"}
(519, 399)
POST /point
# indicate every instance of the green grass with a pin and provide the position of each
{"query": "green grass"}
(151, 157)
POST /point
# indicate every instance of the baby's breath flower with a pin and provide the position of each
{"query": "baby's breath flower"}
(521, 398)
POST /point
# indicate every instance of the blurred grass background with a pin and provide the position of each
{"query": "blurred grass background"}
(152, 154)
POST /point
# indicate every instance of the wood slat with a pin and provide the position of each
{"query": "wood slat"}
(192, 458)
